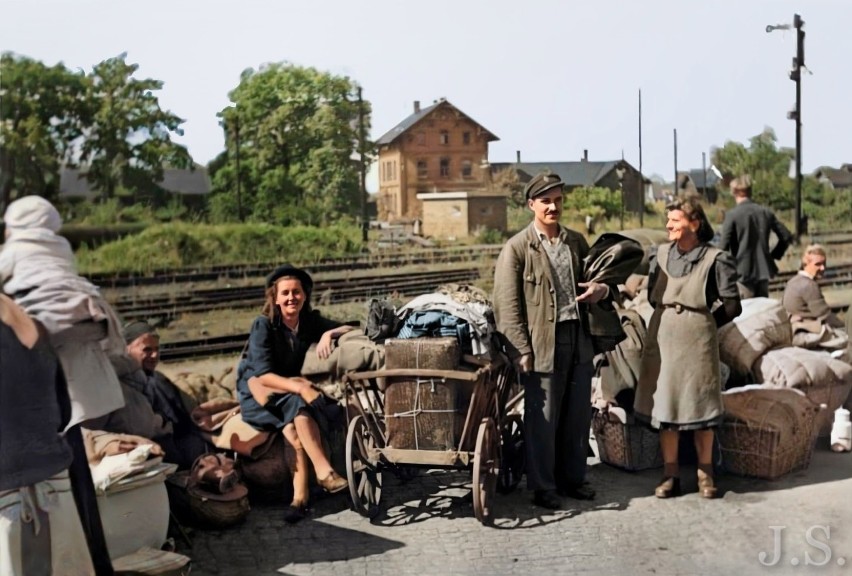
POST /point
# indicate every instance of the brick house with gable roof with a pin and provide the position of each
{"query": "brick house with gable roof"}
(437, 149)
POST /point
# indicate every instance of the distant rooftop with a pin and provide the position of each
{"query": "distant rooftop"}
(418, 115)
(73, 183)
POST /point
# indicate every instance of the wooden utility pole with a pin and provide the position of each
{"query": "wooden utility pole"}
(365, 220)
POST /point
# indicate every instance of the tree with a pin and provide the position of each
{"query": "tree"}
(768, 166)
(297, 130)
(42, 114)
(594, 201)
(129, 140)
(507, 182)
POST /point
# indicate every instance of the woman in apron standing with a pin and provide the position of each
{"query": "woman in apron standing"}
(693, 288)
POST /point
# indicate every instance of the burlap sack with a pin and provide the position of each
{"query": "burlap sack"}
(622, 368)
(762, 326)
(793, 367)
(354, 351)
(431, 353)
(203, 387)
(824, 379)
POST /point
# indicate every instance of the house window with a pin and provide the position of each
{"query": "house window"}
(445, 167)
(466, 169)
(422, 170)
(445, 137)
(466, 138)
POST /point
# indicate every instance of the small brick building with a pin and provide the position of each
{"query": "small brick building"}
(452, 215)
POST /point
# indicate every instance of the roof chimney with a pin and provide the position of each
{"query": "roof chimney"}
(416, 106)
(585, 155)
(518, 156)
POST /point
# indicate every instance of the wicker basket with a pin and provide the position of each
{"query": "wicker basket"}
(774, 434)
(206, 509)
(629, 446)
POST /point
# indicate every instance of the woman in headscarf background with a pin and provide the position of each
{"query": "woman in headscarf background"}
(44, 477)
(272, 393)
(38, 271)
(693, 288)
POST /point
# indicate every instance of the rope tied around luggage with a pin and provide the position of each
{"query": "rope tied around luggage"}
(418, 408)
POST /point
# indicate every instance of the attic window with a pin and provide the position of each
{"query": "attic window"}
(445, 137)
(466, 138)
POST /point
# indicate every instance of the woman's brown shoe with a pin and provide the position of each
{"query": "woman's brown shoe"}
(333, 483)
(668, 487)
(706, 486)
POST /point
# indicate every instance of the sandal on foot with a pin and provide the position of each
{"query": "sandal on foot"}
(333, 483)
(668, 487)
(706, 486)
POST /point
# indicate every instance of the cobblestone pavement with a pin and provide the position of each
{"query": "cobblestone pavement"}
(427, 527)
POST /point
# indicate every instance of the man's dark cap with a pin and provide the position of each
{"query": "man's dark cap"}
(134, 330)
(542, 183)
(290, 270)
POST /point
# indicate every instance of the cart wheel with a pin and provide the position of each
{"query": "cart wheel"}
(512, 455)
(363, 474)
(486, 465)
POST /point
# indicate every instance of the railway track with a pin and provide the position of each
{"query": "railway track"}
(373, 261)
(233, 344)
(168, 307)
(390, 259)
(835, 277)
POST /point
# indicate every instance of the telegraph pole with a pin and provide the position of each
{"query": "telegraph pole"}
(641, 175)
(237, 157)
(675, 187)
(796, 76)
(365, 222)
(796, 115)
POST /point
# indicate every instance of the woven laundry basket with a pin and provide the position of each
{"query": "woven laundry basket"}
(625, 443)
(767, 431)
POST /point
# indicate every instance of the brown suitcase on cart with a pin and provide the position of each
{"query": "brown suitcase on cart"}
(432, 353)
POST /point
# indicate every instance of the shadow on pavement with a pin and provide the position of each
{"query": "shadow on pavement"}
(619, 486)
(447, 494)
(285, 546)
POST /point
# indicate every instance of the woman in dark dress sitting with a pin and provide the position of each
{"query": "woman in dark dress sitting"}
(272, 393)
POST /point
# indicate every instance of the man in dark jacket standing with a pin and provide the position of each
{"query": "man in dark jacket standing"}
(745, 234)
(541, 310)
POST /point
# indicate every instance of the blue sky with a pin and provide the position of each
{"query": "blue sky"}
(549, 78)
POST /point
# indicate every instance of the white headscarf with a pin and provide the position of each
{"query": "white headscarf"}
(32, 212)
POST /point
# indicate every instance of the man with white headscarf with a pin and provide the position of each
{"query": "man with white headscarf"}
(38, 270)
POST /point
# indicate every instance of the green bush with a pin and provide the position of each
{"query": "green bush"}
(489, 236)
(186, 245)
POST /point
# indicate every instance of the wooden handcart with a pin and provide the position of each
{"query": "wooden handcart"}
(475, 434)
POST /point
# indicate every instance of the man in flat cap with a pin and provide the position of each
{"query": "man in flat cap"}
(186, 442)
(542, 312)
